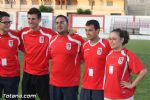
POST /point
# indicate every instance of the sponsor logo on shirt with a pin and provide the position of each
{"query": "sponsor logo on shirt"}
(10, 43)
(99, 51)
(86, 49)
(120, 60)
(68, 46)
(41, 39)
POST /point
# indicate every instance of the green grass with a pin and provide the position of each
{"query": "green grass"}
(142, 49)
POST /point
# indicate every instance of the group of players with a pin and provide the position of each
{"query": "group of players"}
(107, 63)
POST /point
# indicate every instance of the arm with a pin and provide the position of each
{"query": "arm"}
(72, 31)
(21, 46)
(140, 76)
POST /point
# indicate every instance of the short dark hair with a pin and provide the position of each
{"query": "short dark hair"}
(122, 34)
(93, 22)
(66, 19)
(3, 14)
(35, 11)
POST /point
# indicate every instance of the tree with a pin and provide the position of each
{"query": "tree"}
(46, 9)
(80, 11)
(86, 11)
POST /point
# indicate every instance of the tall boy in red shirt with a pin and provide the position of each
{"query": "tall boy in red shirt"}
(36, 41)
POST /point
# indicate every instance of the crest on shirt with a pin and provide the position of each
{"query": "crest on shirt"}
(10, 43)
(41, 39)
(68, 46)
(99, 51)
(120, 60)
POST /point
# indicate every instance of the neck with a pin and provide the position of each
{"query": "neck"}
(95, 40)
(63, 33)
(35, 29)
(2, 32)
(119, 48)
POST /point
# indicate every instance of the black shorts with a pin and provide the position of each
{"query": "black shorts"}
(87, 94)
(33, 84)
(63, 93)
(9, 86)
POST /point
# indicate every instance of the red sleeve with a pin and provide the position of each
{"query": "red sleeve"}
(81, 49)
(53, 36)
(49, 49)
(81, 53)
(49, 31)
(135, 64)
(49, 53)
(18, 34)
(78, 37)
(53, 32)
(21, 46)
(108, 48)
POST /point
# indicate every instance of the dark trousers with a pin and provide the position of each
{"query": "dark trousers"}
(9, 86)
(33, 84)
(63, 93)
(87, 94)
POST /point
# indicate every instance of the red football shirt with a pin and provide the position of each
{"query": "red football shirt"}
(65, 53)
(36, 44)
(119, 66)
(94, 64)
(9, 63)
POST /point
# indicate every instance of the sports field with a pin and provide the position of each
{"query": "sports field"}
(142, 49)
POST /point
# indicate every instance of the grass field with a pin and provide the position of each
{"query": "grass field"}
(142, 49)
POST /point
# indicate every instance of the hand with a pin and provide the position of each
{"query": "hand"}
(125, 84)
(72, 30)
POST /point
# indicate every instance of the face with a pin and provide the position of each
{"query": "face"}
(5, 24)
(61, 25)
(91, 32)
(33, 21)
(115, 41)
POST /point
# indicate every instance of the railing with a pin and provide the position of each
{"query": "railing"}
(132, 27)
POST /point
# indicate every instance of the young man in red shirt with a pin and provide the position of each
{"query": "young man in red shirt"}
(94, 51)
(36, 41)
(65, 51)
(9, 63)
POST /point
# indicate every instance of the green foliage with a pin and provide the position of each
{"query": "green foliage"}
(46, 9)
(80, 11)
(86, 11)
